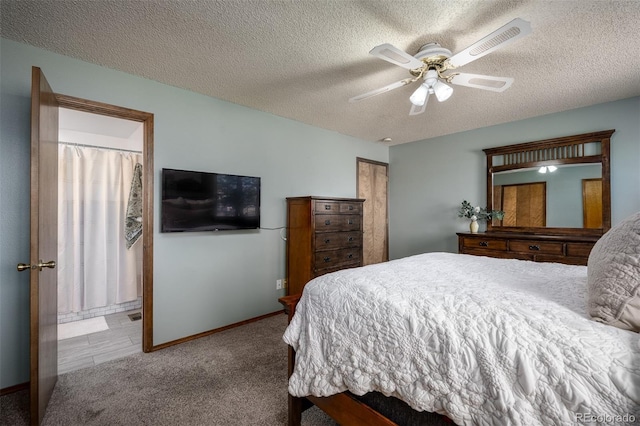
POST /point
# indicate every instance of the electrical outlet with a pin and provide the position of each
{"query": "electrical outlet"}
(279, 284)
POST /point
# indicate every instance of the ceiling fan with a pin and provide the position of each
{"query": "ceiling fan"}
(432, 61)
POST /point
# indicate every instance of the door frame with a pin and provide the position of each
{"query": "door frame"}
(146, 119)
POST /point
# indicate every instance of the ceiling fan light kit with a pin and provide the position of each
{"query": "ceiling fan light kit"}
(443, 91)
(550, 169)
(430, 86)
(432, 62)
(420, 96)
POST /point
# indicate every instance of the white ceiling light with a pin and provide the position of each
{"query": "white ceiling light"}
(544, 169)
(443, 91)
(431, 85)
(419, 97)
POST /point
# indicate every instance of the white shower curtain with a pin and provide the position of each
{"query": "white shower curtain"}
(95, 267)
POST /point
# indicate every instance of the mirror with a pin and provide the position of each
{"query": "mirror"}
(566, 196)
(560, 185)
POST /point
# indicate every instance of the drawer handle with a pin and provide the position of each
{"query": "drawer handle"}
(350, 239)
(350, 256)
(483, 244)
(536, 247)
(350, 222)
(327, 222)
(326, 241)
(327, 206)
(327, 259)
(350, 207)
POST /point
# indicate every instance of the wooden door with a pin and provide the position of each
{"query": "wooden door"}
(525, 204)
(372, 186)
(592, 203)
(44, 245)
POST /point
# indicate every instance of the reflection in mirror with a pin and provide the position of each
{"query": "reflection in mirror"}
(568, 197)
(556, 186)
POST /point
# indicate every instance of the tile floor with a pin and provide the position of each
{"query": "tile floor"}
(124, 337)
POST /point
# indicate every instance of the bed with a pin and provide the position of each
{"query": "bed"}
(478, 340)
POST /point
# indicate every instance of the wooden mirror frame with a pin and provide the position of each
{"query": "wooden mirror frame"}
(556, 151)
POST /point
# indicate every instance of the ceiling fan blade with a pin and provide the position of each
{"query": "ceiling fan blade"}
(485, 82)
(514, 30)
(415, 110)
(382, 90)
(396, 56)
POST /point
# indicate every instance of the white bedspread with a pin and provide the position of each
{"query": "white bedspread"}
(484, 341)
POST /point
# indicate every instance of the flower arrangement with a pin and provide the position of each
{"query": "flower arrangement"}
(478, 213)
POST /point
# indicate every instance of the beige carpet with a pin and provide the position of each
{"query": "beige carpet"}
(236, 377)
(68, 330)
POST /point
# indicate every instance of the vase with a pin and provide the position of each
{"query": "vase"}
(473, 226)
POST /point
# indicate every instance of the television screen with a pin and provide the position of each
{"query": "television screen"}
(200, 201)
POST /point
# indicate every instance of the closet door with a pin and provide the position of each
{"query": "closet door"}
(592, 203)
(525, 204)
(372, 186)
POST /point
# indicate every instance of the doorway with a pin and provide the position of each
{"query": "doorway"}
(99, 228)
(146, 240)
(43, 212)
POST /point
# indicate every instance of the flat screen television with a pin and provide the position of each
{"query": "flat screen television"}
(201, 201)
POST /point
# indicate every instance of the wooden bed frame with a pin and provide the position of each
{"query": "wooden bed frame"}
(342, 407)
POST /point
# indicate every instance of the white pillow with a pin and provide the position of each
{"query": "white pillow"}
(613, 286)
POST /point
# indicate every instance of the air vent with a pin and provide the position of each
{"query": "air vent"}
(135, 317)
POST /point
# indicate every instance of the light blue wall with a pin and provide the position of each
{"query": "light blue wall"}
(429, 179)
(202, 281)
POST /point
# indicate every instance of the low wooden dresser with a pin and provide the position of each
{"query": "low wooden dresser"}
(323, 235)
(569, 249)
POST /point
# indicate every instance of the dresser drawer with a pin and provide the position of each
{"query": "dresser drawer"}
(337, 268)
(484, 243)
(579, 249)
(333, 207)
(337, 258)
(350, 208)
(335, 240)
(536, 247)
(331, 222)
(502, 254)
(568, 260)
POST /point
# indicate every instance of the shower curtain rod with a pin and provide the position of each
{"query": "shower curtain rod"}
(82, 145)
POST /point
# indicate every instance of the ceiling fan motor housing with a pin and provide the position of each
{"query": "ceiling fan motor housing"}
(432, 50)
(433, 56)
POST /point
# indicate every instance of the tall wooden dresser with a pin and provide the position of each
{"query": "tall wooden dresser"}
(323, 235)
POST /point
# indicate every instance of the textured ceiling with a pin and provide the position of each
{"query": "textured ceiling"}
(304, 59)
